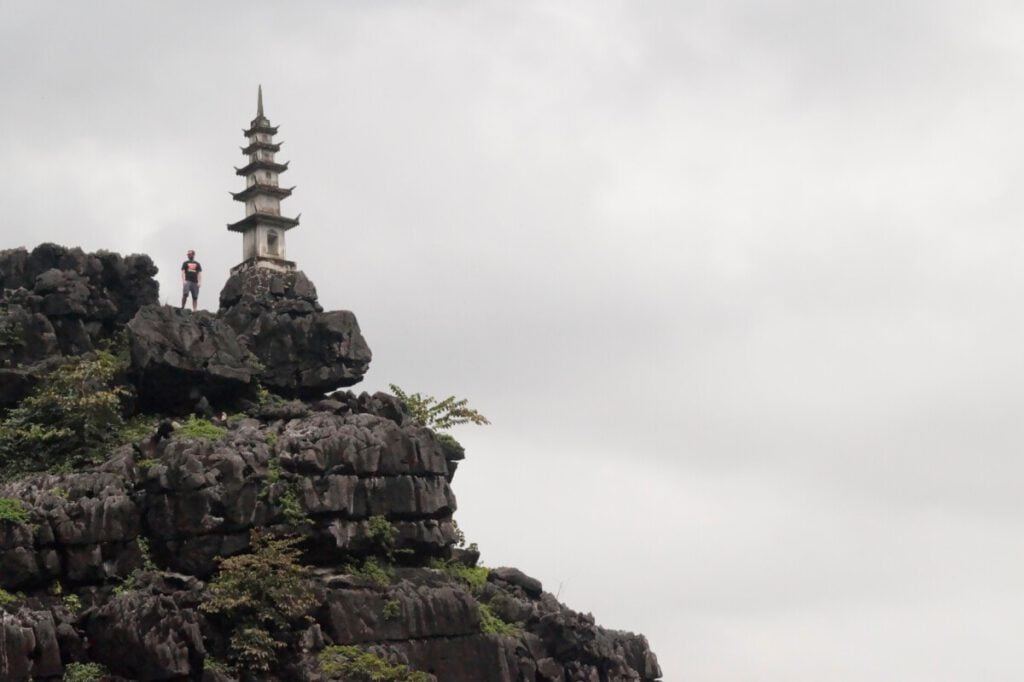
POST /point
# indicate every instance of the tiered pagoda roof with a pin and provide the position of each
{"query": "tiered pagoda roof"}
(262, 194)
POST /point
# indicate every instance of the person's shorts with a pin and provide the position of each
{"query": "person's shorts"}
(190, 288)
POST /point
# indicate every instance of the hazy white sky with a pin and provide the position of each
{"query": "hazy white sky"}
(737, 282)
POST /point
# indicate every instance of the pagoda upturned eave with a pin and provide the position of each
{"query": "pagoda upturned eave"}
(266, 146)
(250, 221)
(270, 190)
(260, 128)
(262, 165)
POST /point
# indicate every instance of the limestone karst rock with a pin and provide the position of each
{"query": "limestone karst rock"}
(59, 302)
(112, 565)
(304, 351)
(179, 358)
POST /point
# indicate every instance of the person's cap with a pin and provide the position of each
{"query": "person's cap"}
(190, 252)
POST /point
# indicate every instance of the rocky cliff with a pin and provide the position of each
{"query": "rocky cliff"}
(135, 568)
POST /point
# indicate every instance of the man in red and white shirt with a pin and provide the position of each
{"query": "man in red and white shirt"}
(191, 279)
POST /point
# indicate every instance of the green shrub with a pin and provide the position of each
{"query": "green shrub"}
(291, 507)
(83, 672)
(428, 411)
(451, 448)
(199, 429)
(288, 500)
(492, 624)
(475, 577)
(129, 584)
(13, 510)
(265, 397)
(139, 427)
(254, 649)
(353, 663)
(6, 597)
(273, 472)
(392, 609)
(147, 556)
(382, 532)
(259, 596)
(73, 603)
(10, 332)
(145, 464)
(67, 421)
(372, 571)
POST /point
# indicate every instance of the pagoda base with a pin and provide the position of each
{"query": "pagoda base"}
(266, 262)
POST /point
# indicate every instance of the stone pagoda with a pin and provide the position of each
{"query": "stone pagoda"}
(263, 228)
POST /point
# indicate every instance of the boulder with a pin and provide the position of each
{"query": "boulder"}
(304, 352)
(179, 357)
(514, 576)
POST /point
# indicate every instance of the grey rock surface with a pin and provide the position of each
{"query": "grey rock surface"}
(305, 352)
(179, 357)
(56, 301)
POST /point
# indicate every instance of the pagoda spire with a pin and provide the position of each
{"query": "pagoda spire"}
(264, 226)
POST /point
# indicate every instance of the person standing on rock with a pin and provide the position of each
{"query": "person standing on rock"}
(191, 279)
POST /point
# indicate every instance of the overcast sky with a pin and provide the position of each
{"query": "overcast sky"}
(737, 283)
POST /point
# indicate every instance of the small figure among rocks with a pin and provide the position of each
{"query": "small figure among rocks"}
(191, 279)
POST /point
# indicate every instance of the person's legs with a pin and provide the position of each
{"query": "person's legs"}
(189, 288)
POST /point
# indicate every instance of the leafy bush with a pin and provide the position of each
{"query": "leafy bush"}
(147, 556)
(83, 672)
(291, 507)
(253, 649)
(355, 664)
(392, 609)
(67, 420)
(73, 603)
(13, 510)
(428, 411)
(139, 427)
(129, 584)
(200, 429)
(273, 472)
(382, 532)
(475, 577)
(492, 624)
(372, 571)
(6, 597)
(288, 499)
(258, 596)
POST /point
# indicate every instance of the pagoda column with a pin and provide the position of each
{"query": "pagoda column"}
(264, 227)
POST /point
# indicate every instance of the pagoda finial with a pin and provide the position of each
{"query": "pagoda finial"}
(259, 101)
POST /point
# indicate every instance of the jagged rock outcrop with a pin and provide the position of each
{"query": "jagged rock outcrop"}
(113, 565)
(304, 351)
(179, 358)
(56, 301)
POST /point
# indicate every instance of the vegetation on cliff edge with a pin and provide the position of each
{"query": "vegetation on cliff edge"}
(68, 419)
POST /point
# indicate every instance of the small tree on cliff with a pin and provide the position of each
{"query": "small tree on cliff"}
(437, 414)
(260, 596)
(440, 415)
